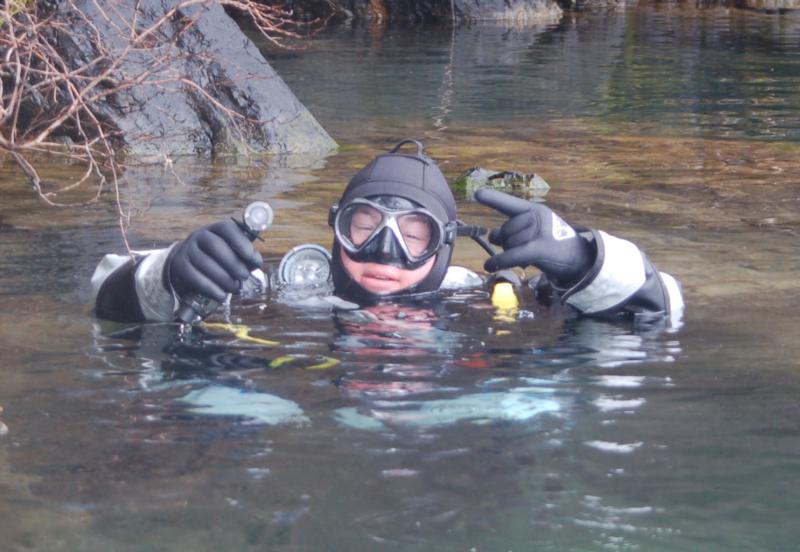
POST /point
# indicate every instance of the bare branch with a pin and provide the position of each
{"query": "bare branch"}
(49, 100)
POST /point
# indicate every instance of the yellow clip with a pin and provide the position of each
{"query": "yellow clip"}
(241, 332)
(281, 360)
(503, 296)
(505, 301)
(327, 362)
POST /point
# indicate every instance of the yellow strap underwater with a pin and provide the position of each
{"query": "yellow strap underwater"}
(327, 362)
(241, 332)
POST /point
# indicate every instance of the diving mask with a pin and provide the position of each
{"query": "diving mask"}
(389, 230)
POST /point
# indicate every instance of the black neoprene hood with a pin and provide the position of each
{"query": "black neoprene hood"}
(413, 176)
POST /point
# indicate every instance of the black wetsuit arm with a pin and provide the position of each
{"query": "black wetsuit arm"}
(116, 298)
(622, 280)
(129, 289)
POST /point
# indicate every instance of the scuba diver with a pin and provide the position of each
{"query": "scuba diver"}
(394, 229)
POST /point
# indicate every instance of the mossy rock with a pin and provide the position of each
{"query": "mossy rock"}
(529, 186)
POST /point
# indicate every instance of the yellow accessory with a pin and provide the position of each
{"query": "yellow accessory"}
(505, 301)
(327, 362)
(241, 332)
(503, 296)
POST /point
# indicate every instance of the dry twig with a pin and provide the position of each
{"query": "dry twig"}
(49, 99)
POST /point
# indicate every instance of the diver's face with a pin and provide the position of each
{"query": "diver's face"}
(383, 279)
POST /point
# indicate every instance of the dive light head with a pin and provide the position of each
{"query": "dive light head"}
(258, 216)
(305, 265)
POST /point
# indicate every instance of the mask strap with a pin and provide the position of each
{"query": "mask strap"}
(476, 233)
(420, 155)
(409, 141)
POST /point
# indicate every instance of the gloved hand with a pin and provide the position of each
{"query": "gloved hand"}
(212, 262)
(535, 235)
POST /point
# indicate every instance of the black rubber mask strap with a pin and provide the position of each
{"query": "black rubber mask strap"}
(417, 143)
(476, 233)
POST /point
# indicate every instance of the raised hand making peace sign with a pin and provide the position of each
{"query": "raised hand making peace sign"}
(535, 235)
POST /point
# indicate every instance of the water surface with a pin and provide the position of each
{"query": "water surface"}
(442, 426)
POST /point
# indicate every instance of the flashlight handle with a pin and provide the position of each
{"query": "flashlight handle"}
(251, 234)
(194, 306)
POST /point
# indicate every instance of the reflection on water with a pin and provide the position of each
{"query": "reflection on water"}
(443, 426)
(466, 394)
(666, 67)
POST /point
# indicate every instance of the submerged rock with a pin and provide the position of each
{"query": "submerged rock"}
(522, 184)
(213, 92)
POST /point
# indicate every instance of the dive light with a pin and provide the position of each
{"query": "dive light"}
(305, 265)
(257, 217)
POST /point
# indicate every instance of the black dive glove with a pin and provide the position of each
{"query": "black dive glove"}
(212, 262)
(535, 235)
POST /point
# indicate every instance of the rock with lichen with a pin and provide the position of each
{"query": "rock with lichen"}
(526, 185)
(194, 85)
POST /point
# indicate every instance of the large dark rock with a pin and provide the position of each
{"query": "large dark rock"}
(214, 93)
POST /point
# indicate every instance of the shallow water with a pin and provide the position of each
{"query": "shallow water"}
(445, 426)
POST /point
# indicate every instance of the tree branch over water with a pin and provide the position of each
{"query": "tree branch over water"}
(57, 95)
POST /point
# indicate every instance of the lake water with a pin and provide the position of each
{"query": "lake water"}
(445, 425)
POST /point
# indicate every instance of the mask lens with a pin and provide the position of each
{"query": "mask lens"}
(359, 225)
(419, 233)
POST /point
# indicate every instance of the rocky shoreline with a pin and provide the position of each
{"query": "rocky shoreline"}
(467, 11)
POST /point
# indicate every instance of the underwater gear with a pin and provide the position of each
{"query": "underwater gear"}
(242, 332)
(305, 265)
(504, 275)
(258, 216)
(214, 261)
(503, 296)
(390, 230)
(535, 235)
(411, 176)
(504, 285)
